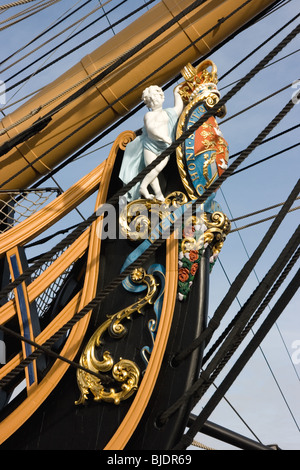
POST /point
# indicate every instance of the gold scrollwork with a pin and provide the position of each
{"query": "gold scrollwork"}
(197, 79)
(218, 226)
(125, 371)
(137, 218)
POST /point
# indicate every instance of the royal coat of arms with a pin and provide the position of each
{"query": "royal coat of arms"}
(203, 157)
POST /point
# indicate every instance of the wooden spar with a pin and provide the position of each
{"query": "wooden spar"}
(117, 83)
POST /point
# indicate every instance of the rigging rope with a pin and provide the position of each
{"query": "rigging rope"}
(68, 90)
(33, 112)
(239, 280)
(201, 446)
(111, 286)
(233, 221)
(49, 352)
(266, 158)
(276, 311)
(165, 87)
(200, 386)
(262, 44)
(269, 65)
(60, 20)
(91, 305)
(261, 221)
(44, 121)
(78, 154)
(22, 11)
(15, 4)
(286, 87)
(256, 142)
(270, 138)
(31, 13)
(255, 317)
(236, 163)
(40, 124)
(88, 77)
(253, 320)
(140, 45)
(258, 280)
(63, 231)
(41, 69)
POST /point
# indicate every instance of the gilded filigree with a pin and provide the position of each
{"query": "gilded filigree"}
(201, 231)
(198, 79)
(218, 226)
(140, 216)
(125, 372)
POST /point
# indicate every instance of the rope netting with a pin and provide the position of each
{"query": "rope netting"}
(17, 205)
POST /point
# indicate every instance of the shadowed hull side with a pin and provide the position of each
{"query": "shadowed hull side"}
(114, 427)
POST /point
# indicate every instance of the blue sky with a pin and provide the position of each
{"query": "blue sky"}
(256, 394)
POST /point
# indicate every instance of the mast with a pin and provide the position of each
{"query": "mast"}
(120, 89)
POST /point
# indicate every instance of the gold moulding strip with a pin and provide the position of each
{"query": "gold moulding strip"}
(31, 227)
(125, 372)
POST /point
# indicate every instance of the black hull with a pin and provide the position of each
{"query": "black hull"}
(189, 320)
(59, 424)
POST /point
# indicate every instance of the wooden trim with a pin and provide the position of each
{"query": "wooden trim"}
(76, 336)
(40, 284)
(59, 321)
(54, 211)
(135, 413)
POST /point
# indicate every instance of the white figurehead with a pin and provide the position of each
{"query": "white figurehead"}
(159, 128)
(158, 134)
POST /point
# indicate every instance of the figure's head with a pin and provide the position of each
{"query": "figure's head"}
(153, 97)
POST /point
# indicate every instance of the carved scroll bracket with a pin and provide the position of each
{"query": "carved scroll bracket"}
(125, 372)
(201, 231)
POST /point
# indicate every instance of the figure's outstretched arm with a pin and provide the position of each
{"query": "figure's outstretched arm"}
(178, 103)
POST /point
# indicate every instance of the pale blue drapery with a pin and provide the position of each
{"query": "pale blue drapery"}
(133, 159)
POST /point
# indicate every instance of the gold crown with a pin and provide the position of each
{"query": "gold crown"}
(195, 77)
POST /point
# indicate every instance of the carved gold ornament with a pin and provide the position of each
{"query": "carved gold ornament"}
(198, 79)
(140, 216)
(199, 232)
(217, 228)
(125, 372)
